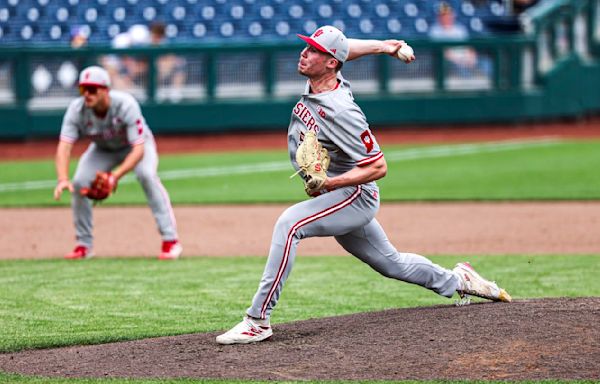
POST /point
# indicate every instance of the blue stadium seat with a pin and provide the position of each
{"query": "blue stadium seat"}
(394, 26)
(59, 13)
(6, 14)
(354, 11)
(27, 32)
(421, 26)
(6, 33)
(266, 12)
(118, 14)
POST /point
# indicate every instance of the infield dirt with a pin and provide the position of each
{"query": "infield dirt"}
(523, 340)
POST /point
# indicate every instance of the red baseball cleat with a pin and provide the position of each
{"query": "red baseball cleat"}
(171, 250)
(80, 252)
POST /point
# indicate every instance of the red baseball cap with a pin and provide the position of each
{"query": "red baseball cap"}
(330, 40)
(94, 75)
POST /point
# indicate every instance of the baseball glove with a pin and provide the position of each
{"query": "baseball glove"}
(313, 161)
(103, 186)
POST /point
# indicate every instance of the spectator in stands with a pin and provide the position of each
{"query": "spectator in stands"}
(512, 21)
(126, 71)
(67, 73)
(171, 68)
(463, 61)
(78, 37)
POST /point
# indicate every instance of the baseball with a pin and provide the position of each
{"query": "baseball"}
(405, 53)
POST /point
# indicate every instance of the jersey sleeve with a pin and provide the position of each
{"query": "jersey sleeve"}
(70, 129)
(134, 121)
(352, 135)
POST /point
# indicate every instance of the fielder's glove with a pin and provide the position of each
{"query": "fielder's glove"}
(103, 186)
(313, 161)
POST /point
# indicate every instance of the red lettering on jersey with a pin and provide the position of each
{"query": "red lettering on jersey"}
(320, 111)
(367, 140)
(297, 108)
(318, 33)
(306, 117)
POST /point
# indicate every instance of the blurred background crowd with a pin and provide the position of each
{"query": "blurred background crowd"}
(98, 22)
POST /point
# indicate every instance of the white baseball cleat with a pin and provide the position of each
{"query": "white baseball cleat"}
(247, 331)
(471, 283)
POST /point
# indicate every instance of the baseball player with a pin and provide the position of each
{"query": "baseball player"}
(121, 142)
(344, 206)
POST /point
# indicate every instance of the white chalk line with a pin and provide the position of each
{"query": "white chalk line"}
(390, 156)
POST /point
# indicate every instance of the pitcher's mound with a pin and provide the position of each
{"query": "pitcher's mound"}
(524, 340)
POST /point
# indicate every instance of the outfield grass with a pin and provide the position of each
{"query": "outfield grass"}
(495, 171)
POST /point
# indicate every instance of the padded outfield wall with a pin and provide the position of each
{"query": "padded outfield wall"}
(549, 72)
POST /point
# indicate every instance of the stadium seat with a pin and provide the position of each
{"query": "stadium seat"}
(49, 21)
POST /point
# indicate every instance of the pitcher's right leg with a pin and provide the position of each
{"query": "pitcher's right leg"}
(371, 245)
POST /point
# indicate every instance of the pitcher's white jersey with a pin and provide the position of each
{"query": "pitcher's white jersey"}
(340, 125)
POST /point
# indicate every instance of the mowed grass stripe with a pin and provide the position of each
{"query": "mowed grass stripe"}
(391, 156)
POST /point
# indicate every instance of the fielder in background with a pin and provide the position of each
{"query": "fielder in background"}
(121, 142)
(346, 197)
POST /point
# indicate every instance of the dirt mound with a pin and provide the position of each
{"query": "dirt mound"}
(525, 340)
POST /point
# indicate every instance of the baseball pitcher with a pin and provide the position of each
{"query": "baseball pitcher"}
(337, 155)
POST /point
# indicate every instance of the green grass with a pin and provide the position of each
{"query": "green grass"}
(552, 170)
(50, 303)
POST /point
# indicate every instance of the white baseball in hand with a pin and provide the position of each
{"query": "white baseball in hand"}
(406, 53)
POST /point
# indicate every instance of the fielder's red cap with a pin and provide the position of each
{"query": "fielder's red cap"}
(94, 75)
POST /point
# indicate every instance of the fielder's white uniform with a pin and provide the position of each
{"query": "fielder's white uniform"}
(346, 213)
(112, 137)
